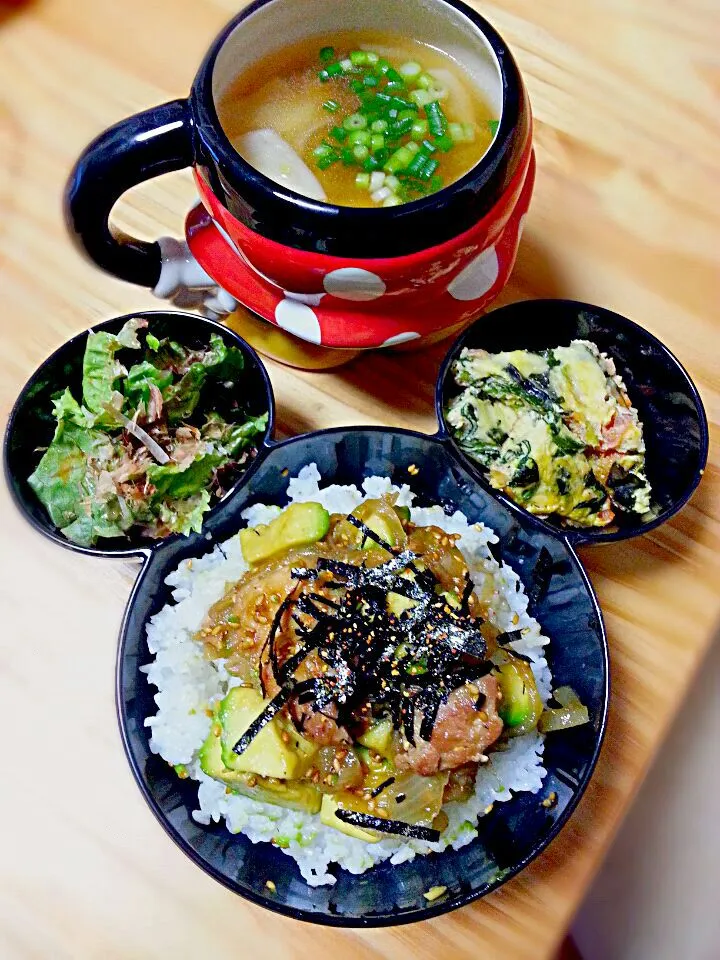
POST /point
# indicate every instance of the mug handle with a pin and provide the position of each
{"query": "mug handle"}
(150, 143)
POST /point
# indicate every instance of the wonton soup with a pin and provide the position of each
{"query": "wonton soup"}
(360, 119)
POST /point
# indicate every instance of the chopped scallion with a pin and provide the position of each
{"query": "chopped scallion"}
(429, 146)
(339, 134)
(417, 164)
(346, 65)
(369, 80)
(399, 160)
(379, 195)
(356, 121)
(359, 58)
(437, 121)
(372, 58)
(327, 54)
(377, 179)
(410, 70)
(421, 97)
(493, 124)
(392, 182)
(379, 126)
(377, 142)
(363, 180)
(392, 201)
(444, 143)
(360, 152)
(327, 161)
(331, 106)
(371, 164)
(347, 156)
(456, 132)
(429, 169)
(419, 130)
(357, 86)
(358, 136)
(400, 127)
(424, 81)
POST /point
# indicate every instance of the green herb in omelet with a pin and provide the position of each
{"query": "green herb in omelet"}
(134, 454)
(554, 430)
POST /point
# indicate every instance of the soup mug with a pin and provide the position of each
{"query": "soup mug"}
(339, 276)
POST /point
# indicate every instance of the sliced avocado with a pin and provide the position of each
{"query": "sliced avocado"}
(520, 706)
(379, 525)
(378, 736)
(327, 816)
(277, 751)
(294, 794)
(298, 525)
(210, 755)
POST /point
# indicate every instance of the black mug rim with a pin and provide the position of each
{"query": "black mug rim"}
(413, 226)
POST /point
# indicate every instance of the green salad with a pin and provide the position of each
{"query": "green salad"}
(134, 453)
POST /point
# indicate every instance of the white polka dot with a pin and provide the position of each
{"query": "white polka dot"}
(354, 283)
(400, 338)
(299, 319)
(313, 299)
(477, 277)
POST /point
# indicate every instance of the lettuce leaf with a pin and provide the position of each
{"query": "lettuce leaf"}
(185, 516)
(139, 378)
(101, 370)
(221, 362)
(59, 480)
(178, 482)
(233, 438)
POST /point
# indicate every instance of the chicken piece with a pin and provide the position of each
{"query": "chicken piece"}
(461, 733)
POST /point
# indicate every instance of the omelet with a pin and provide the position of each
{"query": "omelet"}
(555, 431)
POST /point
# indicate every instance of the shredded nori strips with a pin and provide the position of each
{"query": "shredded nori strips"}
(403, 664)
(370, 822)
(540, 577)
(383, 786)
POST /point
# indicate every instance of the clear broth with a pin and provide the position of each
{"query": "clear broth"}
(282, 92)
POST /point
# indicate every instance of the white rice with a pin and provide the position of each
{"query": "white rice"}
(188, 683)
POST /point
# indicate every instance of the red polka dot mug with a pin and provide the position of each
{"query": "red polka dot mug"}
(346, 277)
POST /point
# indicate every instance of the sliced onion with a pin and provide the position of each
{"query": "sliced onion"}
(147, 441)
(570, 713)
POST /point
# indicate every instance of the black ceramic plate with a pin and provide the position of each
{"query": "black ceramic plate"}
(31, 424)
(668, 403)
(514, 832)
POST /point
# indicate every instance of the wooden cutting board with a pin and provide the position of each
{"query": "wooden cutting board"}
(626, 213)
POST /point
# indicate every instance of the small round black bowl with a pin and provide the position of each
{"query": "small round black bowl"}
(31, 424)
(668, 403)
(514, 832)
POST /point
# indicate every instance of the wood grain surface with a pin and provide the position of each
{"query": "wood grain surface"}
(626, 214)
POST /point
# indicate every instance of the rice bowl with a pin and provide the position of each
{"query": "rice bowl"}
(188, 684)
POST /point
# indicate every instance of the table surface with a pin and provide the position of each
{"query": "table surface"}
(625, 214)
